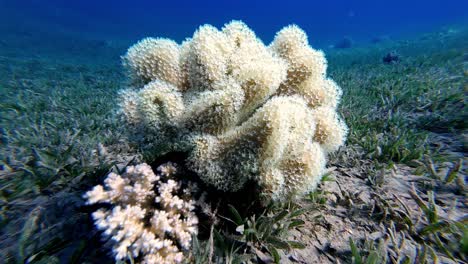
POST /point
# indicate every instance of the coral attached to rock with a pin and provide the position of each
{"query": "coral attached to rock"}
(243, 110)
(149, 220)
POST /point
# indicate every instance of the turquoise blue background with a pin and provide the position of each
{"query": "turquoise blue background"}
(325, 21)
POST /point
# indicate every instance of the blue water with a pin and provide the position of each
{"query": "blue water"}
(325, 21)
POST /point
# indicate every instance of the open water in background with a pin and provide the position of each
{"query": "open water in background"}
(326, 22)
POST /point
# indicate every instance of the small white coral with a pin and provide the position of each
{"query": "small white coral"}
(168, 232)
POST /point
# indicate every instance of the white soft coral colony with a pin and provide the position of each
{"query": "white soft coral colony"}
(135, 226)
(247, 111)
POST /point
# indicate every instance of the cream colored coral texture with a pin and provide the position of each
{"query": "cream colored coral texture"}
(135, 226)
(250, 112)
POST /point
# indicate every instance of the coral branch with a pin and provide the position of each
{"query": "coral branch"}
(135, 226)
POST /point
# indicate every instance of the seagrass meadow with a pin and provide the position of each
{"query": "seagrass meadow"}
(395, 193)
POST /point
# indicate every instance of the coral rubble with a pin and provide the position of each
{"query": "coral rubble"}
(241, 109)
